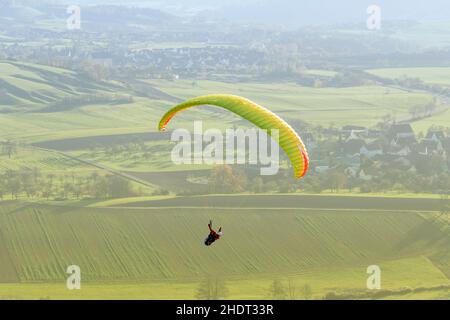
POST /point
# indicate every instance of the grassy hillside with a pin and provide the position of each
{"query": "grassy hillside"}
(360, 105)
(31, 85)
(431, 76)
(414, 272)
(441, 119)
(32, 88)
(50, 103)
(439, 76)
(26, 158)
(286, 201)
(143, 244)
(158, 253)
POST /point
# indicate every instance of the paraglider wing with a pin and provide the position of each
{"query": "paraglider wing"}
(263, 118)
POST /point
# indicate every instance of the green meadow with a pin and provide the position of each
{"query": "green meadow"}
(321, 283)
(431, 76)
(438, 76)
(156, 253)
(442, 119)
(364, 105)
(30, 88)
(151, 247)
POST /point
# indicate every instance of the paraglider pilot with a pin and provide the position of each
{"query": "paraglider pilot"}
(213, 235)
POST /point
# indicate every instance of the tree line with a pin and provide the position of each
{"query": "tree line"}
(226, 179)
(32, 183)
(215, 288)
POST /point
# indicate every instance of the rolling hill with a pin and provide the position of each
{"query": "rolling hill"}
(30, 86)
(40, 241)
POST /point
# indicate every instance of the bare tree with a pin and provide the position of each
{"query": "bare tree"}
(292, 290)
(277, 291)
(9, 148)
(212, 288)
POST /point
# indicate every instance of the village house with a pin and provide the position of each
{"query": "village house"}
(435, 135)
(431, 146)
(400, 130)
(352, 146)
(397, 148)
(348, 130)
(371, 149)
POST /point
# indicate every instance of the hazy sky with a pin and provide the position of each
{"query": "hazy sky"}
(295, 13)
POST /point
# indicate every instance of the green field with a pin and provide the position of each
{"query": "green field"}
(28, 88)
(362, 105)
(321, 282)
(427, 33)
(31, 87)
(432, 76)
(439, 76)
(289, 201)
(158, 253)
(47, 162)
(25, 84)
(96, 121)
(441, 119)
(151, 247)
(424, 33)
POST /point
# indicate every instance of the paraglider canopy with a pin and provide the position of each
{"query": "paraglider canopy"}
(263, 118)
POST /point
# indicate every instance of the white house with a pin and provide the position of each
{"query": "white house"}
(372, 149)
